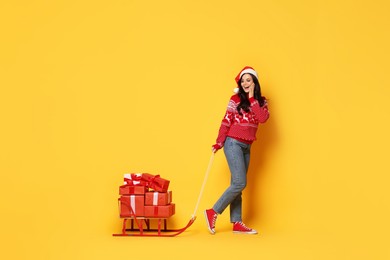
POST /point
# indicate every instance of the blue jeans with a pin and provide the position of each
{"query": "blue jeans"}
(238, 156)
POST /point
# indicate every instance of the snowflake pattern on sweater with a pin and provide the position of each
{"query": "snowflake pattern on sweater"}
(242, 127)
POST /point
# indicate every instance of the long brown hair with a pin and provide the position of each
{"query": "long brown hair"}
(244, 100)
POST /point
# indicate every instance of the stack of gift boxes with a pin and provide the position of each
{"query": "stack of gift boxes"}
(145, 195)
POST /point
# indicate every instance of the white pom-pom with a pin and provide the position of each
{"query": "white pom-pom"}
(235, 90)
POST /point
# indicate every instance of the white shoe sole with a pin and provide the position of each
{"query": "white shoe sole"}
(212, 231)
(248, 233)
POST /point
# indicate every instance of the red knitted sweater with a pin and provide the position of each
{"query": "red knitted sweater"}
(242, 127)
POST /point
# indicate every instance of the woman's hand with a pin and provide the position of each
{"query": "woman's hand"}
(215, 148)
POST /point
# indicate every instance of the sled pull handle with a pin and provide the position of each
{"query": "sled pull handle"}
(204, 184)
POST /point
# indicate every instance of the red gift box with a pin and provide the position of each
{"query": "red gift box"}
(132, 205)
(135, 183)
(158, 198)
(134, 179)
(160, 211)
(155, 182)
(132, 190)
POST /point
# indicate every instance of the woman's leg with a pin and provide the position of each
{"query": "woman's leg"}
(236, 204)
(238, 162)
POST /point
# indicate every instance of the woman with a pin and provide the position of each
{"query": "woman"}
(245, 111)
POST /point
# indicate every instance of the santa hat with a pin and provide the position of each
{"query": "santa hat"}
(245, 70)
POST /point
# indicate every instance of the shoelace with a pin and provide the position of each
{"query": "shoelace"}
(213, 220)
(243, 225)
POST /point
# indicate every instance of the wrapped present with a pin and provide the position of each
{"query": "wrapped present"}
(132, 190)
(160, 211)
(155, 182)
(132, 205)
(134, 179)
(158, 198)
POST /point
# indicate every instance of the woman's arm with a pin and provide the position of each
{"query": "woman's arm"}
(225, 125)
(261, 113)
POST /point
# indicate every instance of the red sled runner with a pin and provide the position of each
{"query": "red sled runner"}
(141, 225)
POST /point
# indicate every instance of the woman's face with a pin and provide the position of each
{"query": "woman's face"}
(247, 82)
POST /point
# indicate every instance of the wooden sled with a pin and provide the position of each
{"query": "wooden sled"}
(141, 226)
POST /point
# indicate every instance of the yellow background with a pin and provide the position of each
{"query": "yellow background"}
(91, 90)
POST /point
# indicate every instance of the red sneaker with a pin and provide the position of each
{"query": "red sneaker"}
(239, 227)
(211, 217)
